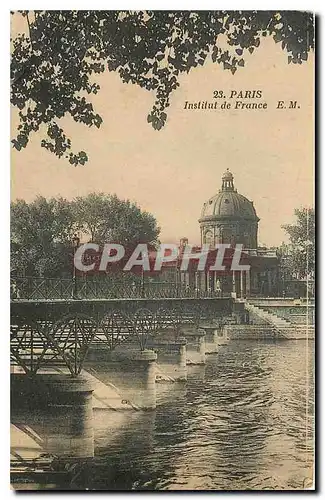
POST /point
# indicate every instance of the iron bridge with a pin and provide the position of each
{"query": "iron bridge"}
(60, 332)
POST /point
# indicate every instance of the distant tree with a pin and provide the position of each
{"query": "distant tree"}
(300, 254)
(41, 233)
(52, 66)
(106, 218)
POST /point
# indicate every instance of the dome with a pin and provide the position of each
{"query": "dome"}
(227, 203)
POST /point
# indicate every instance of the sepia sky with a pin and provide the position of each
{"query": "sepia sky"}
(171, 173)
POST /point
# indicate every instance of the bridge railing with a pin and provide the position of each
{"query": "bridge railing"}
(35, 288)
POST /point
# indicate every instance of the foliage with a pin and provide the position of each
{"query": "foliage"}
(302, 244)
(106, 218)
(42, 231)
(52, 67)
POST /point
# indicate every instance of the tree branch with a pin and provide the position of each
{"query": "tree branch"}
(30, 32)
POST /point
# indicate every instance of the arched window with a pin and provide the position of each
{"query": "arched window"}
(208, 237)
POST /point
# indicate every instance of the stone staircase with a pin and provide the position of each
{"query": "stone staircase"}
(282, 327)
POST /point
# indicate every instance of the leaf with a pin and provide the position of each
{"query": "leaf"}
(70, 48)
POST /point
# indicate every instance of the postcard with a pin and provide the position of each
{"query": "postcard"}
(162, 250)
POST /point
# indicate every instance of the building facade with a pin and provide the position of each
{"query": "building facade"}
(230, 218)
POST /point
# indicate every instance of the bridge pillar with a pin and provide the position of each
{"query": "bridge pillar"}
(196, 347)
(241, 284)
(216, 335)
(58, 408)
(234, 288)
(145, 364)
(182, 369)
(248, 283)
(201, 347)
(211, 339)
(131, 374)
(171, 359)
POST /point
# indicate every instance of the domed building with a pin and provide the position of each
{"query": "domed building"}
(229, 217)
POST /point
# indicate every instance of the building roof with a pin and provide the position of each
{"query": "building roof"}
(227, 203)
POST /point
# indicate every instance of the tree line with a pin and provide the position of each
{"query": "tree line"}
(298, 258)
(42, 230)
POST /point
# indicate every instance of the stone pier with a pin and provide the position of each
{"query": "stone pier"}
(213, 334)
(145, 365)
(58, 408)
(195, 346)
(130, 371)
(171, 360)
(182, 361)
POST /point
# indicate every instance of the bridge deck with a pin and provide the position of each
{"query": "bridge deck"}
(122, 299)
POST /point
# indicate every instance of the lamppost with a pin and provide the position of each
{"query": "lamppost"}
(308, 245)
(142, 283)
(177, 275)
(75, 245)
(283, 282)
(284, 258)
(304, 248)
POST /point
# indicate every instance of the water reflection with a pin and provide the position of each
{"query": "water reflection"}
(239, 423)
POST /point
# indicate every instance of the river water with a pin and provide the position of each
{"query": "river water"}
(242, 421)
